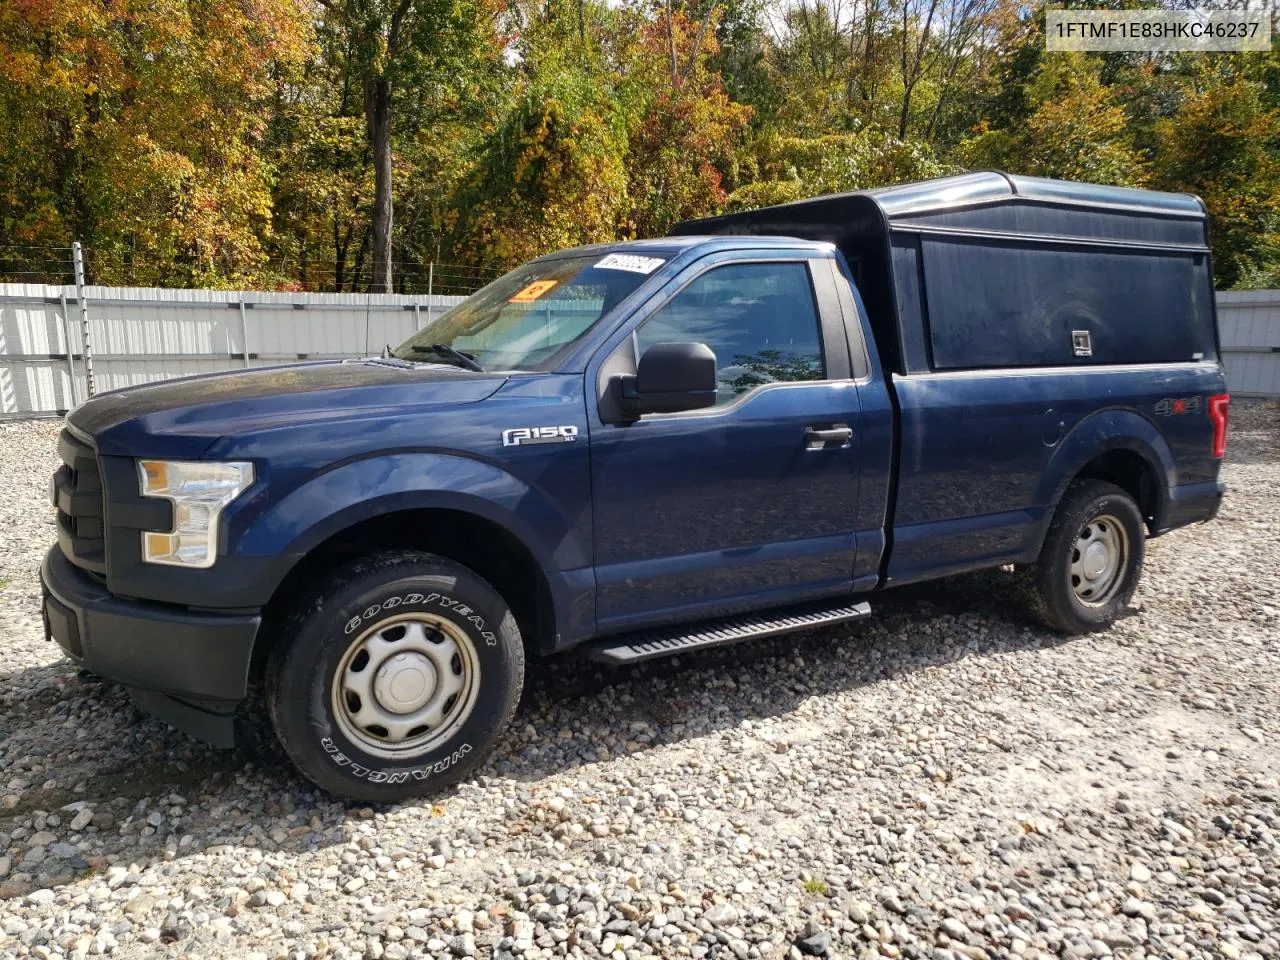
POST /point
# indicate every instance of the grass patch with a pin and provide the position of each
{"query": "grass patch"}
(817, 887)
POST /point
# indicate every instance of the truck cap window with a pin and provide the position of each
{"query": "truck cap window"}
(759, 318)
(524, 319)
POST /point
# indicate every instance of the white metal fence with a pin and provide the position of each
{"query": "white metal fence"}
(141, 334)
(1249, 322)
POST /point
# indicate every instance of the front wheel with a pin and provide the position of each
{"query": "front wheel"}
(398, 676)
(1091, 559)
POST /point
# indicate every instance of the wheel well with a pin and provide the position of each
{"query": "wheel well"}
(481, 545)
(1131, 473)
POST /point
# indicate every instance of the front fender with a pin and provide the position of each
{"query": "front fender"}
(372, 487)
(1101, 433)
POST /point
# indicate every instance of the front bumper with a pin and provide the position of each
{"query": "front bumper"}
(188, 668)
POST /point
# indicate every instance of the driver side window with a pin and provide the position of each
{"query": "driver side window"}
(760, 319)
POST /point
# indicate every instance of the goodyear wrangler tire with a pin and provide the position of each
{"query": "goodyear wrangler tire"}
(397, 677)
(1091, 560)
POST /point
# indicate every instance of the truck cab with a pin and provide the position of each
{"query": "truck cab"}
(642, 448)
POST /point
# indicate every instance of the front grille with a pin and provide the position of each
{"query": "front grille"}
(77, 491)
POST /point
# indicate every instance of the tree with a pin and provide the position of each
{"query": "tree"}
(137, 128)
(742, 59)
(1224, 145)
(814, 61)
(686, 131)
(790, 168)
(388, 44)
(551, 176)
(1076, 129)
(343, 144)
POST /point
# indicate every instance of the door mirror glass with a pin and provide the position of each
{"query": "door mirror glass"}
(670, 377)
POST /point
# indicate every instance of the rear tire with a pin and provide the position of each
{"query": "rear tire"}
(398, 676)
(1091, 559)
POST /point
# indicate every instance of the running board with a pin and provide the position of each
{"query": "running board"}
(666, 641)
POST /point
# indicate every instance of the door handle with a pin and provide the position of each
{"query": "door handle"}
(819, 438)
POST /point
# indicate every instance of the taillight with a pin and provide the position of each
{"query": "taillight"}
(1218, 414)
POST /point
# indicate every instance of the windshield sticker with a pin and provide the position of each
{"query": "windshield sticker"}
(629, 262)
(533, 291)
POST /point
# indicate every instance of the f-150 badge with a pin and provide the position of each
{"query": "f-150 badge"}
(523, 436)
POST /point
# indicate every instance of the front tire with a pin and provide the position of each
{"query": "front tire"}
(1091, 559)
(397, 678)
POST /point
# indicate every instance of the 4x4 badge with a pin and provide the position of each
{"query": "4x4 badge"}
(1172, 407)
(522, 436)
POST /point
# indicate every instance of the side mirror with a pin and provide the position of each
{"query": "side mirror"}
(671, 377)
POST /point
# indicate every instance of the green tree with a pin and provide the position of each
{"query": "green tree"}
(387, 46)
(790, 168)
(552, 175)
(1224, 145)
(1075, 129)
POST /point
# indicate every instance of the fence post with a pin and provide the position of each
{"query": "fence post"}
(71, 350)
(77, 259)
(431, 278)
(244, 332)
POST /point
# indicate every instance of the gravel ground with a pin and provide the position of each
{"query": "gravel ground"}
(943, 781)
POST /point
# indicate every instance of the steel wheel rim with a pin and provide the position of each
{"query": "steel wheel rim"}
(405, 685)
(1099, 558)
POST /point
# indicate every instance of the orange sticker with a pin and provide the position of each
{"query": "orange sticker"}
(533, 291)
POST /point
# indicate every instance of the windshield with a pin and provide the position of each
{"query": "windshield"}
(523, 320)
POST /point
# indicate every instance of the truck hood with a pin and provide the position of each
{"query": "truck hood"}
(182, 418)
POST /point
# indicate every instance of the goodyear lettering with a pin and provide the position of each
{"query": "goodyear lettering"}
(417, 599)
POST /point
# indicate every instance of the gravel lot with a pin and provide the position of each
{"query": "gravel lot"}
(943, 781)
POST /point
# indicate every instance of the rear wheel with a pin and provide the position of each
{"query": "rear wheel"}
(398, 676)
(1091, 559)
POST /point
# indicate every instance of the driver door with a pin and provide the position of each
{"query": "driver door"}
(744, 504)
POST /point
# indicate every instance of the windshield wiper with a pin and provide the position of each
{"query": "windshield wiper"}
(457, 357)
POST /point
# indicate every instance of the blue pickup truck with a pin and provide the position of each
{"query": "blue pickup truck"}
(644, 448)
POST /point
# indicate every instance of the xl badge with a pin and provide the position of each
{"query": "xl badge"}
(523, 436)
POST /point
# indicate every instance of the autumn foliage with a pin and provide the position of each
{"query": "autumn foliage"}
(333, 144)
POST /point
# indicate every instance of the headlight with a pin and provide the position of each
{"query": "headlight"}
(199, 492)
